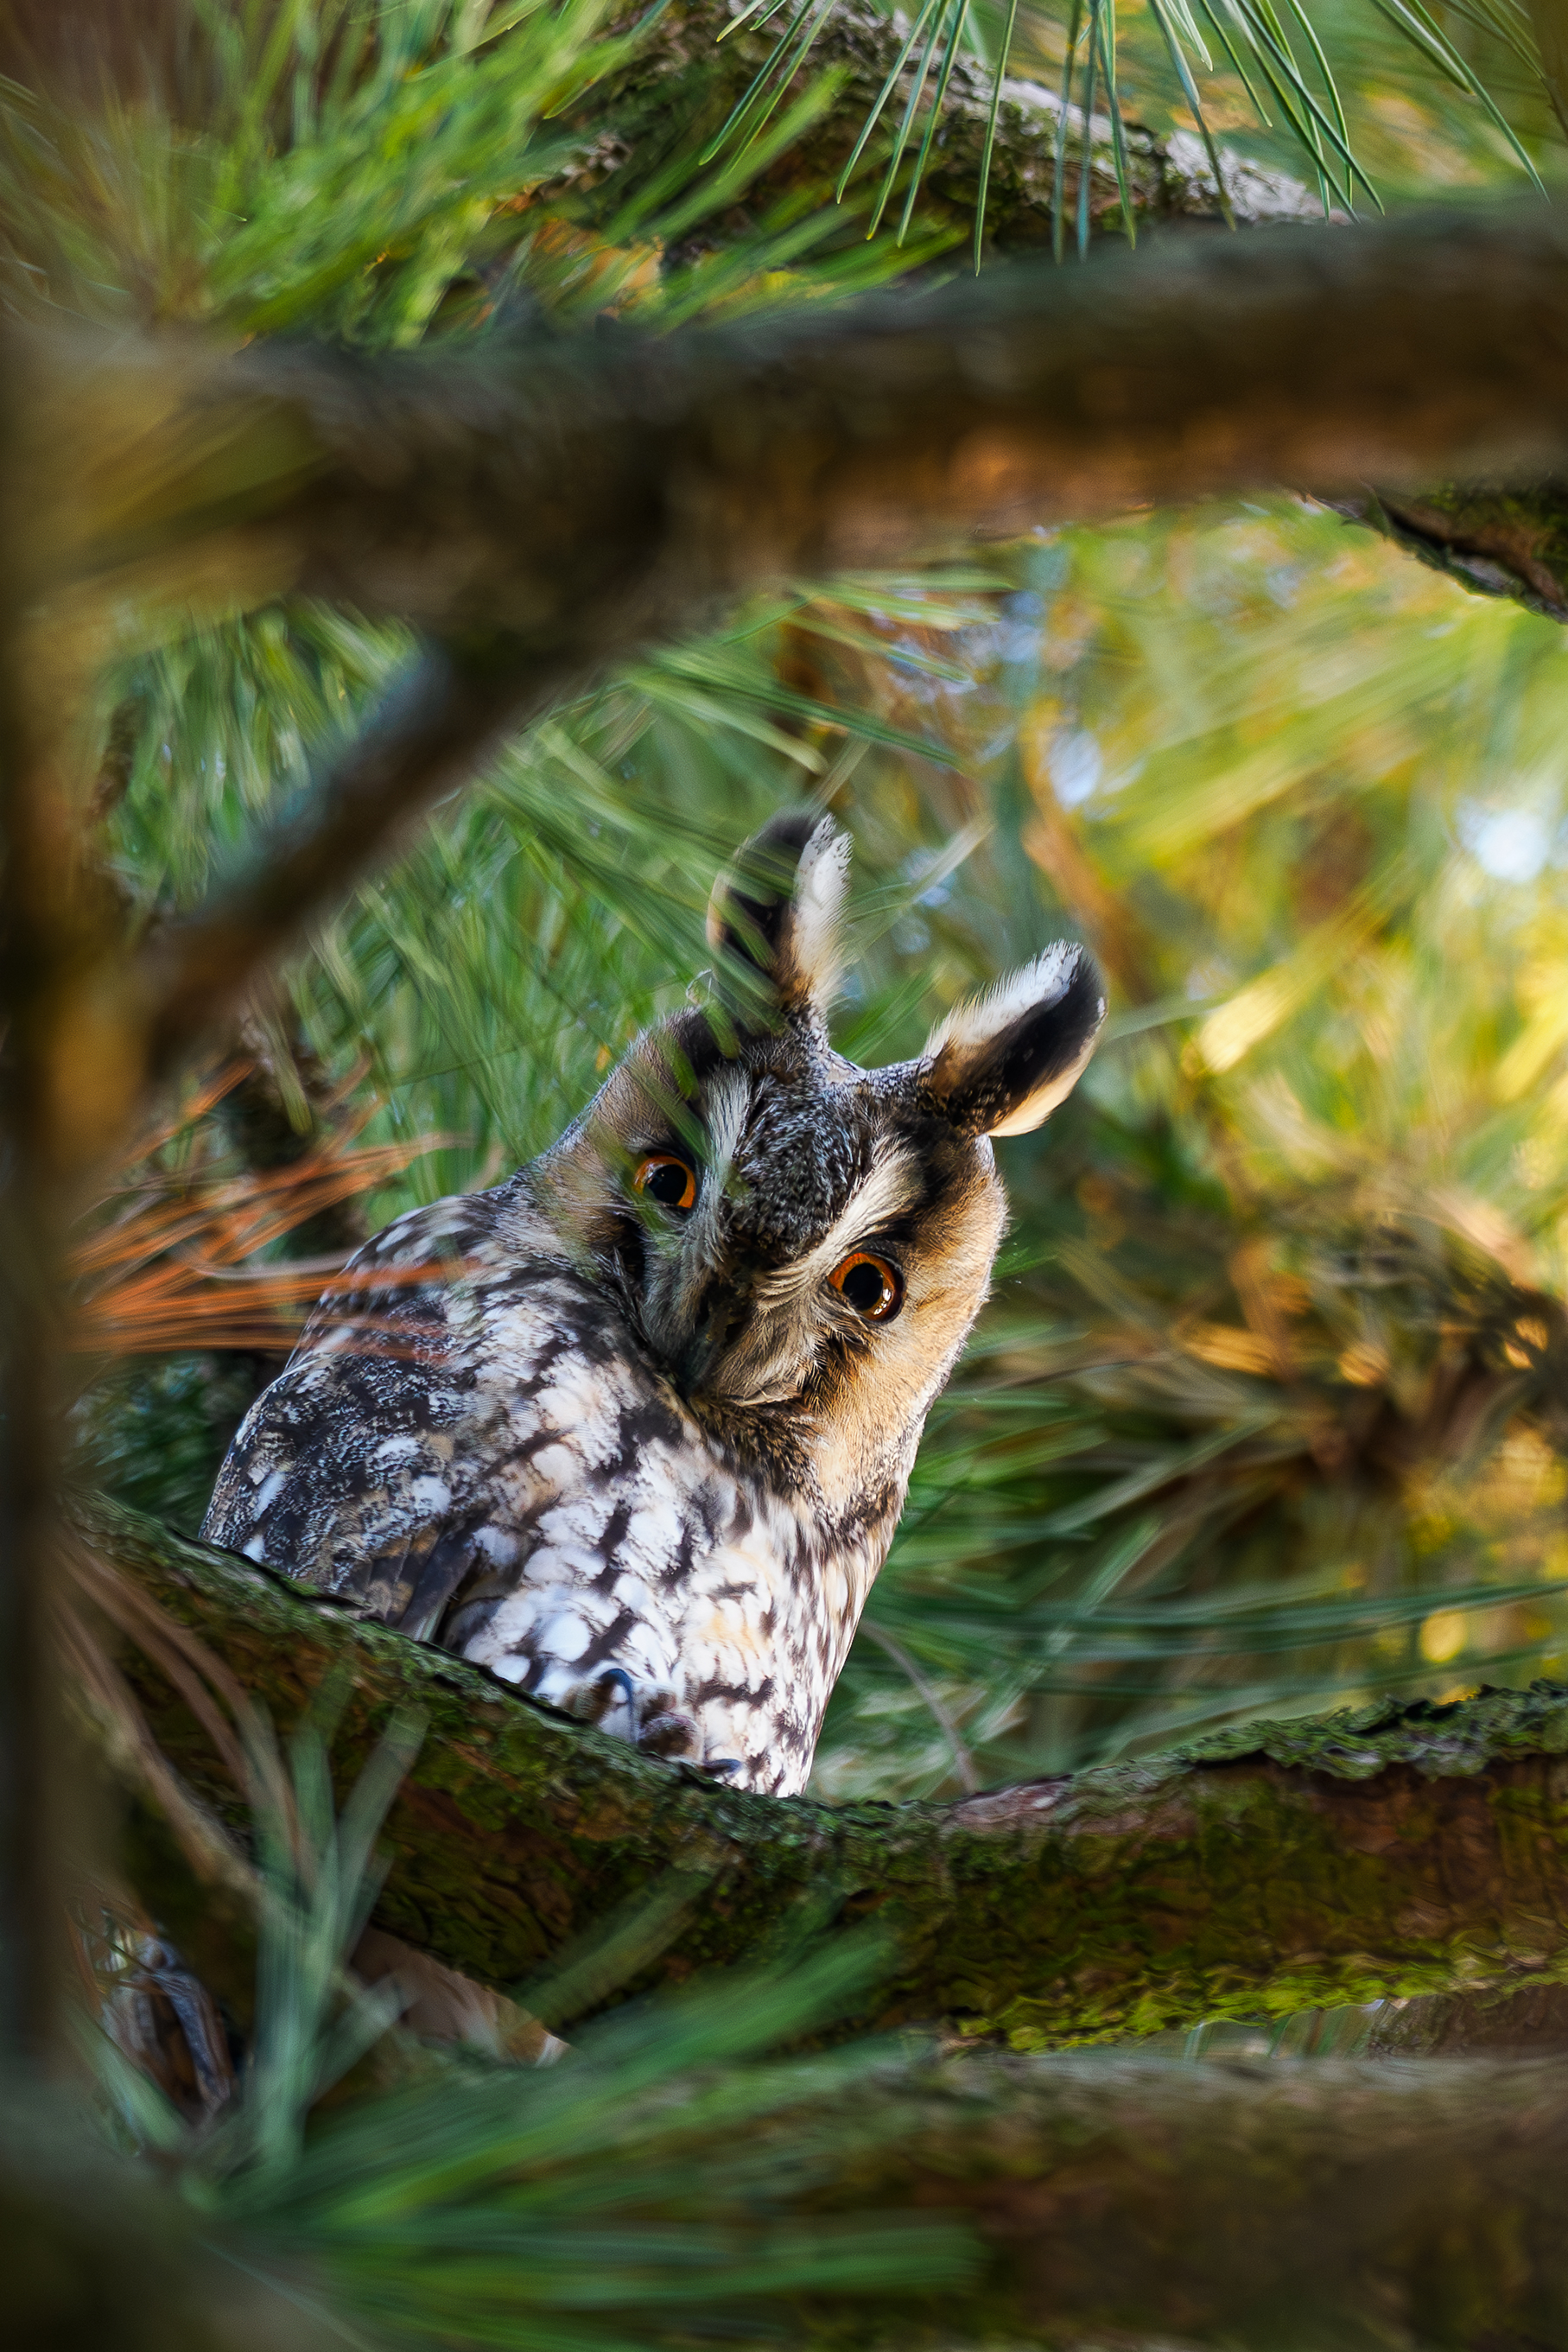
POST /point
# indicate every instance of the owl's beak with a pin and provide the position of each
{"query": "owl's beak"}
(731, 1363)
(704, 1351)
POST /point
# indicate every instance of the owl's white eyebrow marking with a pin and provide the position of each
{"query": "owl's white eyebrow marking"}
(888, 1189)
(729, 1100)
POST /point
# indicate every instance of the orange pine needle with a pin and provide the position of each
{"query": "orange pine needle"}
(177, 1268)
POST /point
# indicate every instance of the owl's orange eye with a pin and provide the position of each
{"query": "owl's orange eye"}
(668, 1179)
(873, 1288)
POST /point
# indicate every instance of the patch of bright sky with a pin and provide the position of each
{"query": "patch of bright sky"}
(1512, 844)
(1075, 766)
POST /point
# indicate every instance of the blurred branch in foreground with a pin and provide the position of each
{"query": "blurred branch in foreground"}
(1250, 2204)
(704, 464)
(1270, 1869)
(180, 1254)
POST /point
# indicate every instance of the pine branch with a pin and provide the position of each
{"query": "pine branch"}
(1393, 1851)
(1548, 22)
(446, 717)
(573, 500)
(1169, 180)
(1498, 541)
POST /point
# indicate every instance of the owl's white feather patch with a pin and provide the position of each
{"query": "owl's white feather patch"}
(498, 1547)
(655, 1529)
(558, 1465)
(726, 1104)
(1033, 986)
(816, 945)
(567, 1638)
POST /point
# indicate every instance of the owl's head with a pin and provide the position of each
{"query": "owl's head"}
(802, 1244)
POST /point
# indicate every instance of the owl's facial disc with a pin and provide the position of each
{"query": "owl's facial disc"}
(780, 1236)
(790, 1231)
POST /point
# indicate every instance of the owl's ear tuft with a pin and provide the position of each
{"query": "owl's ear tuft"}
(1000, 1063)
(776, 911)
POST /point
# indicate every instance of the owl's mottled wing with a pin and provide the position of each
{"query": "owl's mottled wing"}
(481, 1459)
(412, 1445)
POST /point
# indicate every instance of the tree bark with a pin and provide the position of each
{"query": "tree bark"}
(1305, 2206)
(1466, 2025)
(1499, 541)
(1170, 180)
(1288, 2206)
(1506, 540)
(587, 495)
(1394, 1851)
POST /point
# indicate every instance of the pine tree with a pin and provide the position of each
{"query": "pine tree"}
(1267, 1413)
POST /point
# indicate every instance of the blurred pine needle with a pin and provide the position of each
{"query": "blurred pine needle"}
(177, 1258)
(646, 2188)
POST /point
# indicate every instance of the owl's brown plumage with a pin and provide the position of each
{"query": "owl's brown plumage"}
(634, 1429)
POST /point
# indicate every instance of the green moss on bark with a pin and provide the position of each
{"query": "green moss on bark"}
(1496, 539)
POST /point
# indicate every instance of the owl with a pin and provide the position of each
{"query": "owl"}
(633, 1429)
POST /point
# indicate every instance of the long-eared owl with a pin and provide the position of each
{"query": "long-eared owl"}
(634, 1430)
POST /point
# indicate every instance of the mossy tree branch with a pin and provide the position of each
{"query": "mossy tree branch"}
(1312, 2206)
(1396, 1851)
(1170, 181)
(1504, 539)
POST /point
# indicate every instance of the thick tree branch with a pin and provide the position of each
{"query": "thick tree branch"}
(578, 499)
(1510, 540)
(587, 495)
(1310, 2207)
(1499, 541)
(1529, 2022)
(1306, 2206)
(1398, 1850)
